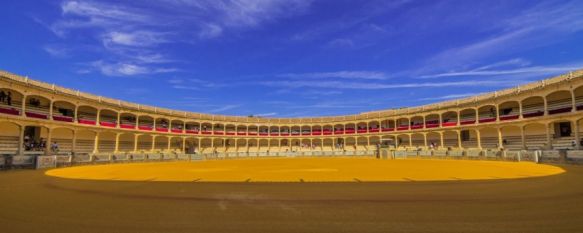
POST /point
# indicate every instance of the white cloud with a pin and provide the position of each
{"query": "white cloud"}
(125, 69)
(224, 108)
(487, 71)
(265, 114)
(379, 86)
(372, 75)
(210, 31)
(134, 38)
(452, 96)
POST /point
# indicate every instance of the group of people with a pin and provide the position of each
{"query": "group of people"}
(40, 145)
(6, 97)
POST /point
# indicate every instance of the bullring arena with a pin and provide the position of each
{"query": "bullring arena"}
(505, 161)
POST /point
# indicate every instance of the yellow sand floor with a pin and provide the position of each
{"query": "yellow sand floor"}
(309, 170)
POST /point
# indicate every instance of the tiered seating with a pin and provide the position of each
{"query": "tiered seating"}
(106, 146)
(513, 142)
(450, 142)
(143, 145)
(126, 145)
(13, 109)
(579, 102)
(489, 142)
(65, 144)
(533, 110)
(559, 106)
(486, 117)
(163, 145)
(535, 142)
(467, 119)
(37, 112)
(472, 143)
(8, 144)
(84, 146)
(563, 143)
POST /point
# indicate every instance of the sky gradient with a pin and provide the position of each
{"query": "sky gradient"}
(290, 58)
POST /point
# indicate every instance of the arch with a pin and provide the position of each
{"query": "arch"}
(218, 145)
(467, 116)
(562, 134)
(263, 130)
(450, 139)
(206, 145)
(469, 138)
(295, 144)
(533, 106)
(85, 141)
(434, 138)
(206, 128)
(176, 126)
(108, 118)
(374, 127)
(162, 124)
(403, 124)
(127, 120)
(417, 122)
(489, 138)
(161, 143)
(11, 105)
(106, 142)
(511, 137)
(374, 141)
(176, 144)
(219, 129)
(418, 140)
(387, 125)
(306, 130)
(361, 127)
(328, 144)
(241, 145)
(86, 115)
(295, 130)
(350, 128)
(388, 141)
(192, 128)
(63, 111)
(535, 135)
(230, 129)
(192, 146)
(274, 145)
(362, 143)
(263, 145)
(37, 107)
(432, 121)
(306, 144)
(64, 139)
(327, 130)
(145, 142)
(559, 102)
(9, 136)
(126, 142)
(350, 144)
(487, 113)
(316, 130)
(252, 130)
(509, 110)
(252, 145)
(284, 131)
(403, 141)
(241, 130)
(449, 119)
(230, 145)
(338, 129)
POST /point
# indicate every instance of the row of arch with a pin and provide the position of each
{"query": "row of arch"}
(36, 106)
(513, 137)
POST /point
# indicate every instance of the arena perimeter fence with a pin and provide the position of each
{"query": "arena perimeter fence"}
(39, 161)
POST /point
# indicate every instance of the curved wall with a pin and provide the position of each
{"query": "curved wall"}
(511, 118)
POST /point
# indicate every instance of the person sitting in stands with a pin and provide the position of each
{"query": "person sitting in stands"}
(55, 147)
(42, 144)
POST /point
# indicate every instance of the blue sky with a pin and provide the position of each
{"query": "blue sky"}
(290, 58)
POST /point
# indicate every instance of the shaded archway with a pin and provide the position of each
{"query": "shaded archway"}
(559, 102)
(63, 111)
(533, 106)
(37, 107)
(64, 139)
(535, 136)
